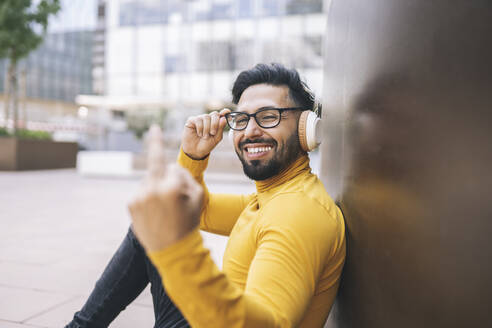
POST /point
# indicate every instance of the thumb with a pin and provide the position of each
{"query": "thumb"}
(223, 121)
(220, 130)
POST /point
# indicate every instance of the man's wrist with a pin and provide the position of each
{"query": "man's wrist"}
(194, 157)
(195, 167)
(178, 249)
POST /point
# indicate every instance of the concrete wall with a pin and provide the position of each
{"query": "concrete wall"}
(407, 150)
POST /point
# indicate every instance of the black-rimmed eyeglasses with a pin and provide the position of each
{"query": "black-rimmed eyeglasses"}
(266, 118)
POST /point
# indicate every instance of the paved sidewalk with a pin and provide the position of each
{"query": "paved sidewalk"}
(57, 232)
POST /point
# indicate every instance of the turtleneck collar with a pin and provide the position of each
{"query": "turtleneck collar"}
(298, 166)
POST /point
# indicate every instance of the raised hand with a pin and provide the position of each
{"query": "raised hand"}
(169, 206)
(202, 133)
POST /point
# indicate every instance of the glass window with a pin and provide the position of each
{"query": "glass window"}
(298, 7)
(128, 13)
(2, 74)
(222, 9)
(243, 54)
(245, 8)
(150, 12)
(272, 7)
(173, 63)
(101, 10)
(216, 55)
(204, 56)
(271, 51)
(313, 56)
(174, 11)
(55, 69)
(199, 10)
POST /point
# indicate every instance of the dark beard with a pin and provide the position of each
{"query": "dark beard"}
(282, 159)
(256, 171)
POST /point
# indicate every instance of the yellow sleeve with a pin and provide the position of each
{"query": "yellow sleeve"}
(292, 251)
(220, 211)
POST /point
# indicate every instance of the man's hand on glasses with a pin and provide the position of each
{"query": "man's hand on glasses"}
(202, 133)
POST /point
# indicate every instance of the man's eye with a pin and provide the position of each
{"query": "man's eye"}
(241, 120)
(270, 117)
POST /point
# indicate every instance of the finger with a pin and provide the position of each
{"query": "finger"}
(176, 176)
(193, 190)
(206, 126)
(155, 157)
(198, 126)
(174, 173)
(173, 184)
(222, 121)
(224, 111)
(190, 123)
(134, 209)
(214, 123)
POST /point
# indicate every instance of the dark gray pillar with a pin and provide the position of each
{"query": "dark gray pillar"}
(408, 150)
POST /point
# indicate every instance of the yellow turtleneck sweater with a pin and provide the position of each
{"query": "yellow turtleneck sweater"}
(282, 263)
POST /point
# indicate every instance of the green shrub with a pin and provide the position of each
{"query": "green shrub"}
(26, 134)
(3, 132)
(32, 134)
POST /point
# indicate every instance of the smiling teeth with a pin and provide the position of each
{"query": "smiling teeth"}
(258, 150)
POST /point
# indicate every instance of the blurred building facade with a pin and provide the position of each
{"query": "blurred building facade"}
(121, 60)
(190, 52)
(56, 72)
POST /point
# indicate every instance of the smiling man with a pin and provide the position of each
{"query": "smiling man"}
(264, 153)
(286, 245)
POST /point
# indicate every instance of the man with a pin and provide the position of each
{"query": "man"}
(286, 249)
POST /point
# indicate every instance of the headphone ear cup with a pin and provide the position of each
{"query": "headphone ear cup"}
(302, 130)
(309, 130)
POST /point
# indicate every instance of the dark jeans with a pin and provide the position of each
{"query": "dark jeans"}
(124, 278)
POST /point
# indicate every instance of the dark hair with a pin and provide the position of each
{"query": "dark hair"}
(274, 74)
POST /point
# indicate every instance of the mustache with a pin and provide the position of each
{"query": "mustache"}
(260, 140)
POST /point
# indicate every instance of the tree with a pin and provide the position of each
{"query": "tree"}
(22, 28)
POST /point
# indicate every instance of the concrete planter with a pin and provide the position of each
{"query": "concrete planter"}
(23, 154)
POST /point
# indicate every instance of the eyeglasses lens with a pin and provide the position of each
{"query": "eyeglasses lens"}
(237, 121)
(268, 118)
(265, 118)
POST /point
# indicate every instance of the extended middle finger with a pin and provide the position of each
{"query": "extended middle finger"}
(206, 125)
(155, 155)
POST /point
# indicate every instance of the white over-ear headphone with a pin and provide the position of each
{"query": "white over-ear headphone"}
(309, 130)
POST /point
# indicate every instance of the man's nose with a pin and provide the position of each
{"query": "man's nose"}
(252, 129)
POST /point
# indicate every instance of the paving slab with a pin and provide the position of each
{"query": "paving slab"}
(135, 315)
(21, 304)
(58, 231)
(8, 324)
